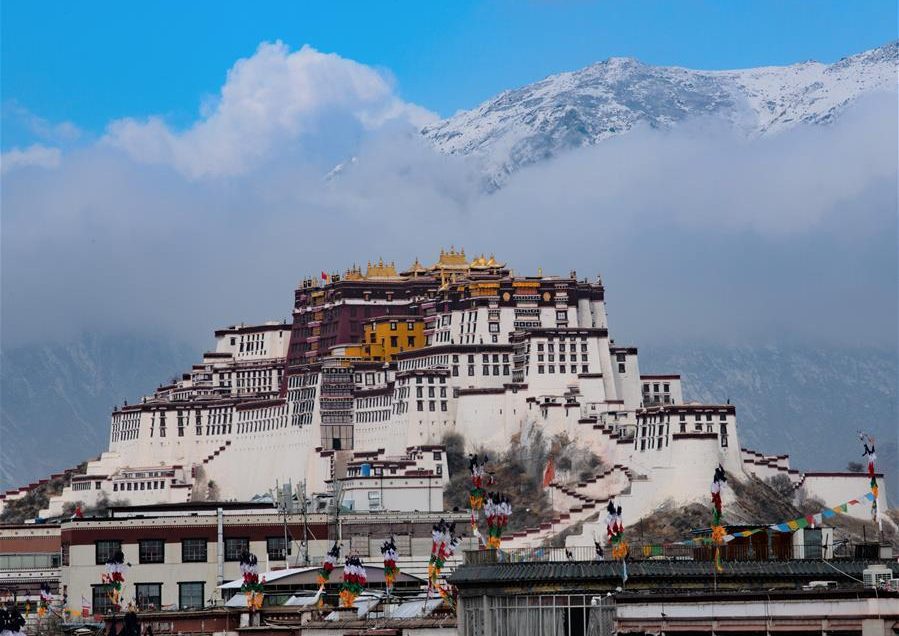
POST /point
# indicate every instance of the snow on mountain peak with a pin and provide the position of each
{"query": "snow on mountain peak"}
(579, 108)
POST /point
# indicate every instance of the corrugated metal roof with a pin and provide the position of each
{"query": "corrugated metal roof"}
(364, 603)
(302, 601)
(268, 577)
(238, 600)
(664, 570)
(416, 608)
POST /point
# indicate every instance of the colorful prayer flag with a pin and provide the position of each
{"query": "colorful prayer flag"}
(550, 473)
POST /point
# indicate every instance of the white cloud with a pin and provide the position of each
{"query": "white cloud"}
(58, 133)
(706, 177)
(270, 100)
(697, 232)
(35, 155)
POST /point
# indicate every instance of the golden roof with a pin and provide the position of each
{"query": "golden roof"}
(381, 270)
(482, 262)
(416, 268)
(353, 273)
(452, 260)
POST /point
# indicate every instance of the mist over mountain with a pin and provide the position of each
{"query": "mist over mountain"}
(569, 110)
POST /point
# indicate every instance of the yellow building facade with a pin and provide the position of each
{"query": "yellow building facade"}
(386, 336)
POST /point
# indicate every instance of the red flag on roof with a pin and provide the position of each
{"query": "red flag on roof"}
(550, 473)
(324, 276)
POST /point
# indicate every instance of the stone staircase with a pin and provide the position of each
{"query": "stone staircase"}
(577, 505)
(221, 449)
(532, 537)
(205, 462)
(767, 466)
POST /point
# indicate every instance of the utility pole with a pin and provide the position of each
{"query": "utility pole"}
(305, 528)
(338, 492)
(287, 503)
(283, 498)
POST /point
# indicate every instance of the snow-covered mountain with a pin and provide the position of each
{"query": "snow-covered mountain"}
(579, 108)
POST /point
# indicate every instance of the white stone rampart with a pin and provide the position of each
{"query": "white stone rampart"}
(838, 488)
(766, 467)
(685, 478)
(255, 461)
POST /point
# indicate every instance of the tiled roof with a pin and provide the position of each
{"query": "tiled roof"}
(605, 571)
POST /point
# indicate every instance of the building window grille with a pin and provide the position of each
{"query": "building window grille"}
(151, 551)
(105, 550)
(546, 615)
(277, 548)
(235, 547)
(193, 550)
(191, 595)
(149, 595)
(101, 600)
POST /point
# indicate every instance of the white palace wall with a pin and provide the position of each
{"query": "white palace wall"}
(255, 462)
(837, 488)
(494, 369)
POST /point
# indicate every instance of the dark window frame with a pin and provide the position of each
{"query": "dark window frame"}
(188, 558)
(100, 602)
(279, 553)
(150, 558)
(146, 602)
(230, 555)
(181, 585)
(101, 560)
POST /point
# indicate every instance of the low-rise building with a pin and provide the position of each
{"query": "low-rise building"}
(548, 592)
(179, 555)
(411, 482)
(29, 558)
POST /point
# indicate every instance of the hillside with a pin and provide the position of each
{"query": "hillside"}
(55, 399)
(806, 401)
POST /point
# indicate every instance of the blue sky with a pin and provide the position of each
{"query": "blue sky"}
(90, 63)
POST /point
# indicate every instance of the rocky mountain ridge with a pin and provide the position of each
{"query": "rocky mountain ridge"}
(568, 110)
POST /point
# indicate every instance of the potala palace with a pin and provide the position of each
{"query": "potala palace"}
(378, 365)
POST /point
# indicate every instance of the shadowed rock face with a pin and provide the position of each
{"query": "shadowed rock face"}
(580, 108)
(56, 399)
(807, 401)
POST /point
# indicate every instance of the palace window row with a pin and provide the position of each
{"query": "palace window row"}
(551, 368)
(153, 484)
(432, 405)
